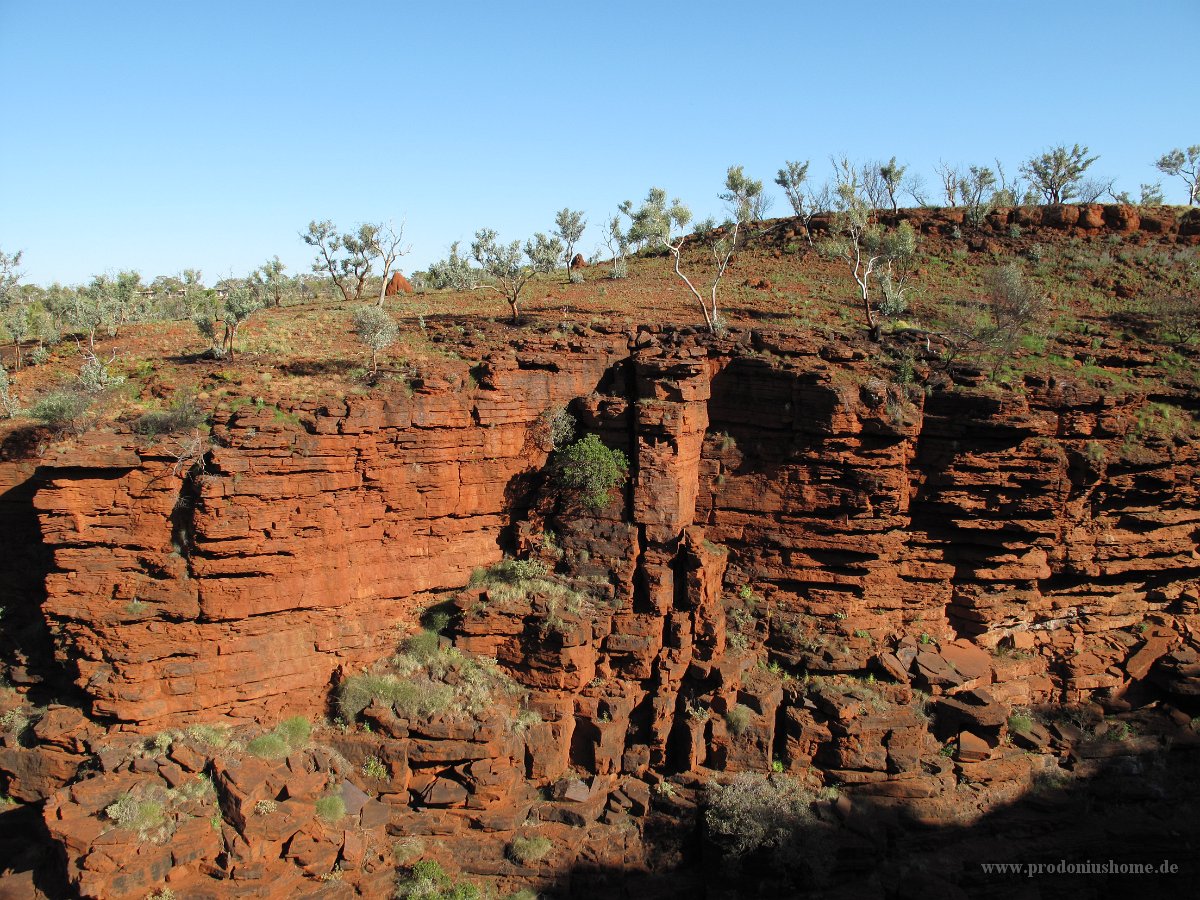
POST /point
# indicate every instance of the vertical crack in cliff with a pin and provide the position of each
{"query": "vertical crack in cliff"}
(641, 588)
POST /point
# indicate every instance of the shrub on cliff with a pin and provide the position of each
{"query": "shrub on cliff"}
(183, 414)
(62, 410)
(289, 736)
(419, 686)
(588, 471)
(770, 815)
(426, 880)
(376, 329)
(739, 718)
(526, 851)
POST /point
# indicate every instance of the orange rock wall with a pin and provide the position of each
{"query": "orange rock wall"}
(299, 543)
(861, 511)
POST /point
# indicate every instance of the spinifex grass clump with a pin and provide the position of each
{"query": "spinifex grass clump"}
(425, 680)
(289, 735)
(515, 581)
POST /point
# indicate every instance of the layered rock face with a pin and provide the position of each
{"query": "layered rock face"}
(233, 577)
(812, 570)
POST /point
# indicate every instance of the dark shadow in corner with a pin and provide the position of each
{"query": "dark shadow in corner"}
(26, 648)
(1135, 809)
(32, 861)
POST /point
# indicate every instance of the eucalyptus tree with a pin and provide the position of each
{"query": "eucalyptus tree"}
(345, 258)
(509, 267)
(891, 174)
(664, 226)
(386, 243)
(1183, 164)
(1056, 174)
(873, 255)
(107, 303)
(791, 178)
(228, 313)
(270, 281)
(568, 228)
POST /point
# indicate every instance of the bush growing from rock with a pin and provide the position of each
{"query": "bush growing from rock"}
(331, 807)
(772, 816)
(9, 405)
(426, 880)
(588, 471)
(183, 414)
(140, 814)
(289, 735)
(739, 718)
(527, 850)
(445, 681)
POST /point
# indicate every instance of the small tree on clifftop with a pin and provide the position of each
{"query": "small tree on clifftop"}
(510, 266)
(791, 178)
(346, 259)
(871, 253)
(659, 225)
(1057, 173)
(1183, 164)
(568, 228)
(376, 329)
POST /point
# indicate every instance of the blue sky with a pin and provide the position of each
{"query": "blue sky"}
(164, 135)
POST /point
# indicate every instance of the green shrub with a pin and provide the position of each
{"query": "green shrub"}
(374, 768)
(142, 815)
(426, 880)
(61, 409)
(96, 377)
(289, 735)
(436, 619)
(405, 849)
(208, 735)
(447, 681)
(1020, 723)
(553, 428)
(9, 404)
(183, 414)
(770, 813)
(295, 731)
(588, 471)
(525, 851)
(515, 571)
(331, 807)
(739, 719)
(423, 645)
(268, 746)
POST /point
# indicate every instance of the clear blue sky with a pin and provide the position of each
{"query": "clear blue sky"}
(164, 135)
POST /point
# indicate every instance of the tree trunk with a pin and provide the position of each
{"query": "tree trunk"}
(383, 286)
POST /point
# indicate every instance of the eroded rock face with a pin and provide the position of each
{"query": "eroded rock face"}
(235, 580)
(812, 570)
